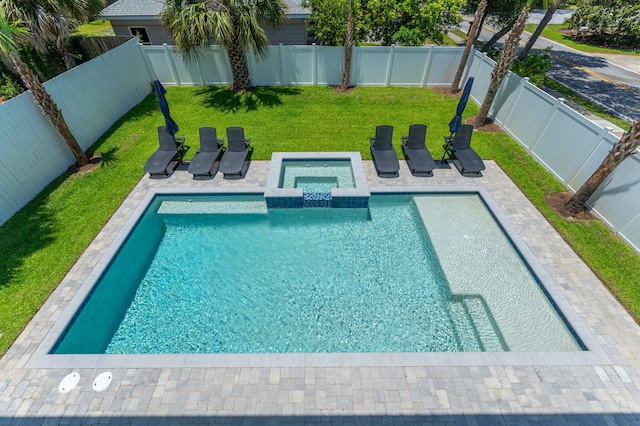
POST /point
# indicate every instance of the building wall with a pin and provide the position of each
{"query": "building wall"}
(294, 32)
(155, 31)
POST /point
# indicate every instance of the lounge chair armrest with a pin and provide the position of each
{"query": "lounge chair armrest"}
(179, 138)
(404, 138)
(247, 142)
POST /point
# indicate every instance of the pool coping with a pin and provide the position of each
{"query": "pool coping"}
(343, 197)
(594, 355)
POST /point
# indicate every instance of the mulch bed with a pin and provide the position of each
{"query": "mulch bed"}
(94, 160)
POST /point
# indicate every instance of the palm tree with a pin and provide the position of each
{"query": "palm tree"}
(348, 48)
(507, 55)
(13, 35)
(235, 23)
(51, 21)
(622, 149)
(467, 47)
(553, 6)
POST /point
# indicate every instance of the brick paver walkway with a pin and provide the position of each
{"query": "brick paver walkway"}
(467, 389)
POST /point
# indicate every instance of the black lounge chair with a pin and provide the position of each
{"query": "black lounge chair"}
(385, 158)
(161, 163)
(202, 165)
(232, 164)
(419, 158)
(459, 148)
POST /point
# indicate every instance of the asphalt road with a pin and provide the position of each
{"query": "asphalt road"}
(614, 88)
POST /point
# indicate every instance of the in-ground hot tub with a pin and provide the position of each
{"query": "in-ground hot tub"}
(318, 179)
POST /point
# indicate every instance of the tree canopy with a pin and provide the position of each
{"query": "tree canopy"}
(620, 17)
(328, 21)
(405, 22)
(410, 22)
(238, 24)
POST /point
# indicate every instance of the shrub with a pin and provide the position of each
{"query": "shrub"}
(535, 66)
(10, 84)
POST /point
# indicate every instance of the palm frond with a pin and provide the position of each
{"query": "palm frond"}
(13, 33)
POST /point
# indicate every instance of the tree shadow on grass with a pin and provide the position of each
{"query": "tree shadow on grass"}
(34, 226)
(223, 99)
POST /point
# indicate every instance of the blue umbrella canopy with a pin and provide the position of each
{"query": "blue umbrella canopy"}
(171, 126)
(456, 121)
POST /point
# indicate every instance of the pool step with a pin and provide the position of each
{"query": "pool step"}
(213, 207)
(475, 325)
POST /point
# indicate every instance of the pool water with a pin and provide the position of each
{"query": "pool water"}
(216, 275)
(316, 175)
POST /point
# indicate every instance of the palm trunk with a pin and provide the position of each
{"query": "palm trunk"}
(239, 67)
(497, 36)
(623, 149)
(467, 47)
(348, 48)
(477, 36)
(64, 52)
(49, 108)
(502, 67)
(543, 23)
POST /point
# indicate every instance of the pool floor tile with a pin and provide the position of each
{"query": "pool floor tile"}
(603, 393)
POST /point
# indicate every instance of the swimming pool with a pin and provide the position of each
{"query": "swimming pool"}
(222, 274)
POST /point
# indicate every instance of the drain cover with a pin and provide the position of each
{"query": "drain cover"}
(69, 382)
(102, 382)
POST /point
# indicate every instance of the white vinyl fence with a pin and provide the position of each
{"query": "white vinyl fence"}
(313, 65)
(94, 95)
(91, 96)
(566, 143)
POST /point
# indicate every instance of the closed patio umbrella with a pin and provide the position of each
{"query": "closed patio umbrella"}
(172, 127)
(456, 122)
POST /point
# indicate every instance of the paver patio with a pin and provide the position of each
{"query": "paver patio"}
(477, 390)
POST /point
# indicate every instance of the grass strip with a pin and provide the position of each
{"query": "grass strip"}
(552, 32)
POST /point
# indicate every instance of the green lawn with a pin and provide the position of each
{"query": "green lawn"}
(97, 28)
(552, 32)
(41, 243)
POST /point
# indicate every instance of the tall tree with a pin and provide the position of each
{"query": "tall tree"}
(348, 47)
(622, 150)
(507, 55)
(551, 9)
(51, 21)
(499, 14)
(328, 22)
(13, 34)
(467, 47)
(412, 20)
(238, 24)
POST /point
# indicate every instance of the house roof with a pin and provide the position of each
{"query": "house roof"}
(149, 9)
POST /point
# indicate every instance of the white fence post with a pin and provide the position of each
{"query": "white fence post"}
(314, 74)
(552, 112)
(523, 82)
(427, 67)
(387, 80)
(172, 66)
(147, 63)
(280, 52)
